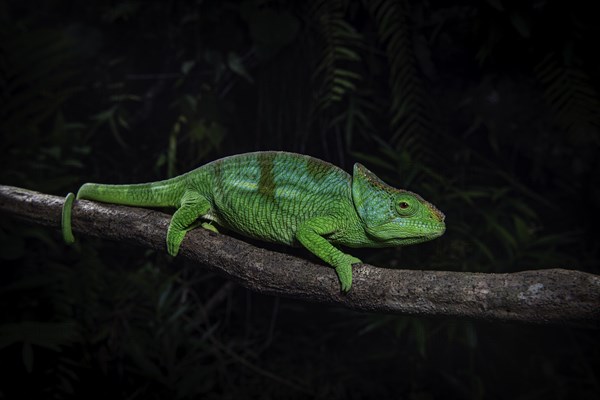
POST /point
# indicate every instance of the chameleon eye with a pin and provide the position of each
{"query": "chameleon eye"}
(406, 205)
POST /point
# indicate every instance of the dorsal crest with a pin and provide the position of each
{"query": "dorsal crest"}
(366, 177)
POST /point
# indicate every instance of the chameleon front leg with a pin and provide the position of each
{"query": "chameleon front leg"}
(193, 206)
(310, 234)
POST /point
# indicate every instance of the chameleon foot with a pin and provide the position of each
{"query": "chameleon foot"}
(209, 227)
(344, 272)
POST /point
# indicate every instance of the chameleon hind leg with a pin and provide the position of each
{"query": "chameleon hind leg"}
(193, 206)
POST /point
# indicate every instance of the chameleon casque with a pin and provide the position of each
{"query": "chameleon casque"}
(285, 198)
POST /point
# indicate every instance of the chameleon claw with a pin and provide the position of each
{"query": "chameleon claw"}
(209, 227)
(344, 273)
(174, 242)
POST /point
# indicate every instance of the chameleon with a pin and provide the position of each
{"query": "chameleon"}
(285, 198)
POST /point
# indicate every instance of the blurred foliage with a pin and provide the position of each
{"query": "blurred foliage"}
(488, 109)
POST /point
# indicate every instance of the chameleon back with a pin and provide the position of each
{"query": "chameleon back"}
(267, 195)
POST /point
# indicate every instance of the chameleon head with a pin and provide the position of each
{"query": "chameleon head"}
(393, 217)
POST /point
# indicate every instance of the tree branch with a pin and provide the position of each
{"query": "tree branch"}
(540, 296)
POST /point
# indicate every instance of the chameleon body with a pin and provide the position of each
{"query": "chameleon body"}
(284, 198)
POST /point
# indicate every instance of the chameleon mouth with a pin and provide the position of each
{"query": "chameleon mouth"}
(427, 231)
(410, 239)
(399, 233)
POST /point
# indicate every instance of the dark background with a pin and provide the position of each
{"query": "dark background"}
(489, 109)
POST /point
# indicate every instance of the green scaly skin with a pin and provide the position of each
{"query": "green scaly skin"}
(283, 198)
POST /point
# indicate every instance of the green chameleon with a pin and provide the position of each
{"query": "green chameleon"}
(282, 198)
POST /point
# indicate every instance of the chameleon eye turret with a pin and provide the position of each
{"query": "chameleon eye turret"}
(406, 205)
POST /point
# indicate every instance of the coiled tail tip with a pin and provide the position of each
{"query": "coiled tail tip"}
(67, 232)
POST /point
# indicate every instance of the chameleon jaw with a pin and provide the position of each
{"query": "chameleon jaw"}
(398, 234)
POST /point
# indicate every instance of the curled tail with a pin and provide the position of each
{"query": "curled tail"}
(67, 232)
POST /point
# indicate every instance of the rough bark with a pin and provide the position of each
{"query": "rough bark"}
(545, 296)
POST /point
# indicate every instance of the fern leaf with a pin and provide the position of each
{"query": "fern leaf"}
(572, 97)
(333, 74)
(409, 122)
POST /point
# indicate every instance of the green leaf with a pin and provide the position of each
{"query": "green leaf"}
(483, 248)
(497, 4)
(270, 29)
(374, 325)
(237, 66)
(523, 231)
(50, 335)
(187, 66)
(521, 25)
